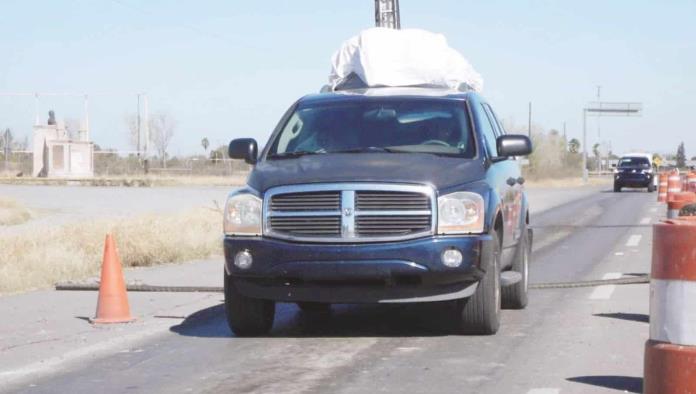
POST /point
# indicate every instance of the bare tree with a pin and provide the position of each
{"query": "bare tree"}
(131, 121)
(23, 144)
(162, 127)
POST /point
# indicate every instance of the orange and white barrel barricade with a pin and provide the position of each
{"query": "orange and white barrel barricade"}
(674, 184)
(670, 353)
(691, 181)
(677, 201)
(662, 187)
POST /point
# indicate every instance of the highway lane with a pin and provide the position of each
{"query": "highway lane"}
(401, 348)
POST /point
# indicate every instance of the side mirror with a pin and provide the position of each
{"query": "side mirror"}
(244, 148)
(513, 145)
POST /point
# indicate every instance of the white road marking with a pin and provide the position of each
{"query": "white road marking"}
(604, 292)
(653, 209)
(408, 349)
(645, 221)
(544, 391)
(634, 240)
(619, 254)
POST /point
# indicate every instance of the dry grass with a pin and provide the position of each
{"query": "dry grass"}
(567, 182)
(12, 212)
(74, 251)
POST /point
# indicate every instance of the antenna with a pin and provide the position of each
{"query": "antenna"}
(387, 14)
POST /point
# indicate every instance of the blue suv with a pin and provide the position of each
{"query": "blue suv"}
(380, 195)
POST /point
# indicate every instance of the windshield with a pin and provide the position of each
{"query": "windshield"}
(639, 162)
(423, 126)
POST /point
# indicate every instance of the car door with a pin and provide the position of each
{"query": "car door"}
(496, 175)
(510, 193)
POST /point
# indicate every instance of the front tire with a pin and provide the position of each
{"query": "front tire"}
(480, 313)
(617, 188)
(246, 316)
(516, 296)
(651, 188)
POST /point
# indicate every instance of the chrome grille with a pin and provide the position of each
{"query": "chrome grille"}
(298, 202)
(349, 212)
(370, 226)
(391, 201)
(319, 226)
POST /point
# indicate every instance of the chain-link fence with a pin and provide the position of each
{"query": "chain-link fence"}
(16, 163)
(106, 164)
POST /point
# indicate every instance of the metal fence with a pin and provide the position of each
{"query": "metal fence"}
(20, 164)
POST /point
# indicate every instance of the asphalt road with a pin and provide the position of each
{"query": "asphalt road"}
(580, 340)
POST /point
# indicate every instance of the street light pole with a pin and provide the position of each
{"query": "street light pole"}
(138, 126)
(599, 131)
(599, 109)
(146, 119)
(584, 145)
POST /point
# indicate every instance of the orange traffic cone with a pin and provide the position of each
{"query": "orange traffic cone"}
(112, 306)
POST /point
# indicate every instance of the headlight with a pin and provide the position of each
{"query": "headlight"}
(242, 214)
(460, 213)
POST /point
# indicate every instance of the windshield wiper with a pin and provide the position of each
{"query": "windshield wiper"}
(292, 155)
(366, 149)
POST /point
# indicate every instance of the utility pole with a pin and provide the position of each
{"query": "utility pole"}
(529, 121)
(138, 128)
(387, 14)
(37, 119)
(599, 101)
(599, 132)
(584, 145)
(147, 134)
(6, 147)
(565, 136)
(86, 120)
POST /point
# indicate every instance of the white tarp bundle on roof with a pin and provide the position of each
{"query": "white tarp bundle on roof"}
(408, 57)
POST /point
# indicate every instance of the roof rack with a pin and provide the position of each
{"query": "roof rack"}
(353, 82)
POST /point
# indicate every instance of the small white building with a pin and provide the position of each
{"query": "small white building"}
(57, 155)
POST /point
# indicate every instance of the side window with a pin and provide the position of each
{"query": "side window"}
(294, 127)
(494, 120)
(488, 133)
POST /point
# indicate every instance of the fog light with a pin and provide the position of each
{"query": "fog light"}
(452, 258)
(243, 260)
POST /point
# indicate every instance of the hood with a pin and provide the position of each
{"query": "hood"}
(416, 168)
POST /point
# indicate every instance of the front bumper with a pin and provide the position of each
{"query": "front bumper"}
(405, 271)
(633, 179)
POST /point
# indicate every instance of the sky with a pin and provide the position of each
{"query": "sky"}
(226, 69)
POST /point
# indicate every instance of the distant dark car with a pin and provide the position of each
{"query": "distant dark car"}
(634, 171)
(380, 195)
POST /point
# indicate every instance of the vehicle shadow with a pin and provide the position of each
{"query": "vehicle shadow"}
(637, 317)
(343, 321)
(628, 384)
